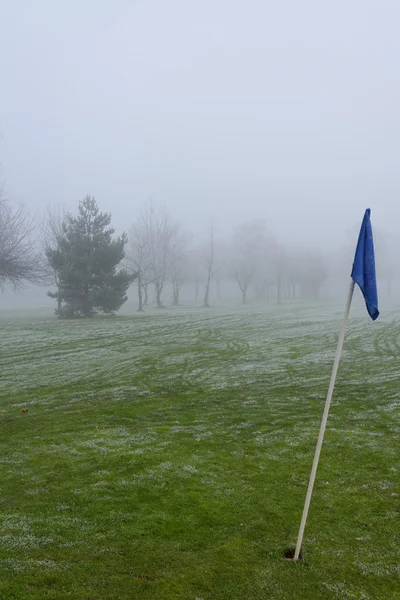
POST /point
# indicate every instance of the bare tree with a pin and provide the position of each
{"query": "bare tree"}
(196, 271)
(19, 257)
(179, 265)
(247, 253)
(51, 232)
(209, 262)
(292, 272)
(137, 259)
(280, 263)
(222, 251)
(263, 279)
(146, 293)
(159, 235)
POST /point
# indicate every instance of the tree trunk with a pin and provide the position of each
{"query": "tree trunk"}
(175, 300)
(86, 308)
(146, 294)
(159, 289)
(59, 303)
(244, 295)
(206, 303)
(140, 294)
(210, 265)
(278, 284)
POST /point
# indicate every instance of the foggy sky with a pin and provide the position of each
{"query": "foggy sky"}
(287, 111)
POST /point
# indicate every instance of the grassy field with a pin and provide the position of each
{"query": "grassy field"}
(167, 455)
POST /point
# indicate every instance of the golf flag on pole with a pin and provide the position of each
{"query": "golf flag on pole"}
(363, 272)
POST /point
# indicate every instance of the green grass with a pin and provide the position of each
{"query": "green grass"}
(166, 456)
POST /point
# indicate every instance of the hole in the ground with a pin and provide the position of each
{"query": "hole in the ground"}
(289, 554)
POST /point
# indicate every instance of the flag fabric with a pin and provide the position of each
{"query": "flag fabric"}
(363, 272)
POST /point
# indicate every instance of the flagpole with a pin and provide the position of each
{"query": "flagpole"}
(323, 422)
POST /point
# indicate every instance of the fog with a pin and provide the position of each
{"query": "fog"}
(283, 112)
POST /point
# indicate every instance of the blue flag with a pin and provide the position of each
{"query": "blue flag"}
(363, 272)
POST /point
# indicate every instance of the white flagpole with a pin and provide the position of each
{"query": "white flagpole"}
(323, 422)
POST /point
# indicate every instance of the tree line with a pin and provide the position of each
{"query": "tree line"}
(89, 269)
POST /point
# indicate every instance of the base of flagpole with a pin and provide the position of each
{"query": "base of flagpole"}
(289, 555)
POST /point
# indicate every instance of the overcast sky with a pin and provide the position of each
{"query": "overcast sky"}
(287, 111)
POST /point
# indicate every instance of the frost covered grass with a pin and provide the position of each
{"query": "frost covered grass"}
(166, 456)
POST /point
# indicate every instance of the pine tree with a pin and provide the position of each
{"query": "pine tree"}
(85, 259)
